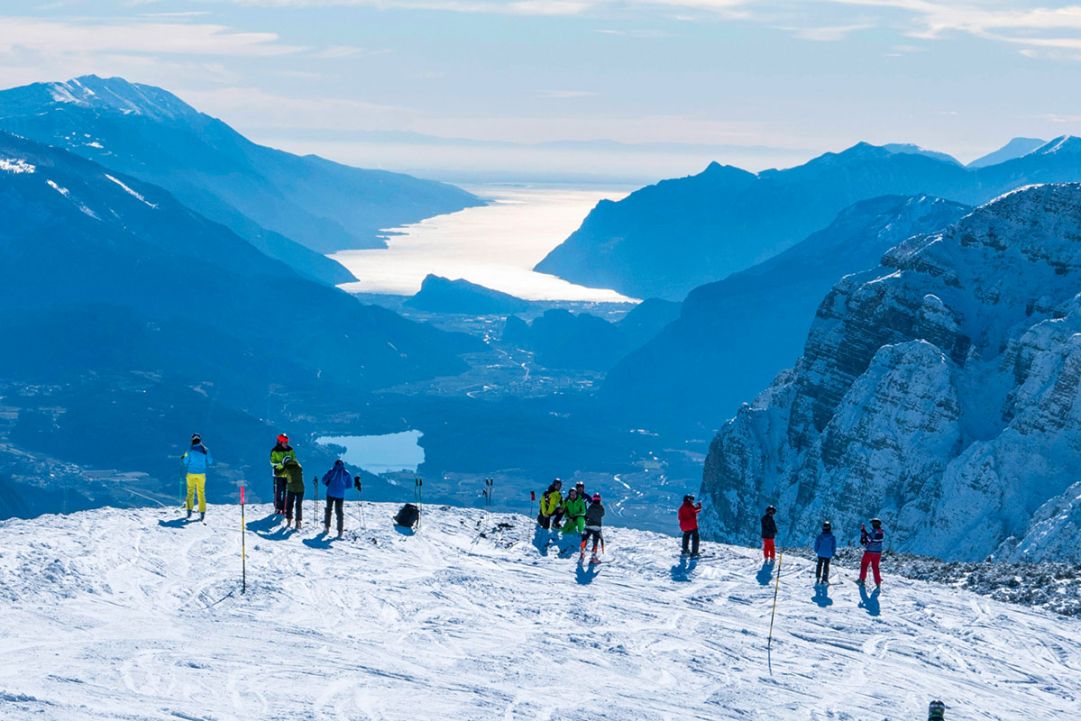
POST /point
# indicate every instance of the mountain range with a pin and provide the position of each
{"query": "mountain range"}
(129, 315)
(940, 391)
(733, 336)
(666, 239)
(294, 208)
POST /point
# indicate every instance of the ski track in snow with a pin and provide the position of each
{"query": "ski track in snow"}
(110, 614)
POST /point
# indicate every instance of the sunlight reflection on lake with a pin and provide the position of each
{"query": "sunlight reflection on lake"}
(495, 246)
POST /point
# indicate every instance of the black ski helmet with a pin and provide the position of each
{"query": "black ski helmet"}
(689, 498)
(771, 509)
(827, 526)
(876, 521)
(196, 439)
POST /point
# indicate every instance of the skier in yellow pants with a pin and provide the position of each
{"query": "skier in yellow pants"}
(196, 461)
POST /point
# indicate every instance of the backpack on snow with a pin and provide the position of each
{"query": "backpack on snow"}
(407, 516)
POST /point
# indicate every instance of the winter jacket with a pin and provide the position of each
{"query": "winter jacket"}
(826, 544)
(688, 516)
(872, 540)
(575, 511)
(550, 502)
(337, 480)
(769, 527)
(197, 459)
(294, 474)
(278, 455)
(594, 514)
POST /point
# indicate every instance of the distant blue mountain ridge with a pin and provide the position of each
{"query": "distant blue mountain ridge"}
(666, 239)
(291, 207)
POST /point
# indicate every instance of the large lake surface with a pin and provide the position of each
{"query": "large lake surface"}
(495, 245)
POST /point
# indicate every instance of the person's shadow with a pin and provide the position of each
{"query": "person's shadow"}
(822, 596)
(175, 523)
(264, 524)
(542, 539)
(681, 573)
(869, 601)
(765, 574)
(321, 541)
(585, 573)
(405, 530)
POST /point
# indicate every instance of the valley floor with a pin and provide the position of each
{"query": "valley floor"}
(130, 614)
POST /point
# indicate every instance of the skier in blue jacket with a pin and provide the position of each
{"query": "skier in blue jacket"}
(825, 549)
(196, 461)
(337, 480)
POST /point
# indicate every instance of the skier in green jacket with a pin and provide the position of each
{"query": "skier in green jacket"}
(278, 454)
(574, 508)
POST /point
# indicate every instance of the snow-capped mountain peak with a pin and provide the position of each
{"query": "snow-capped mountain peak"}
(119, 96)
(1061, 145)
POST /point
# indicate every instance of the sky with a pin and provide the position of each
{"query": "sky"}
(604, 90)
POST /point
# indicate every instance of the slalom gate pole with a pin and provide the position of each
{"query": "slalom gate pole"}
(181, 500)
(243, 545)
(488, 491)
(532, 498)
(773, 614)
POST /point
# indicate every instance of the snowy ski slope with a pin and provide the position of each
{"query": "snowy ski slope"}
(119, 614)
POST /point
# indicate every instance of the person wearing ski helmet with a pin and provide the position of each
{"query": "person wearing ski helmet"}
(278, 454)
(936, 711)
(594, 523)
(872, 550)
(196, 460)
(825, 549)
(580, 488)
(574, 508)
(688, 524)
(550, 503)
(769, 533)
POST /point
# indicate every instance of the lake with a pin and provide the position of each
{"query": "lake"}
(380, 454)
(495, 245)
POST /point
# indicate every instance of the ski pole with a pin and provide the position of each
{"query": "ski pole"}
(243, 545)
(488, 491)
(360, 504)
(420, 499)
(773, 614)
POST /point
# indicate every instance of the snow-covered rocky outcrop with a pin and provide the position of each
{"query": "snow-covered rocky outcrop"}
(939, 392)
(130, 614)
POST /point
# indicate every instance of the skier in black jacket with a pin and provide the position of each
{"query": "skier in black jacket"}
(594, 522)
(769, 532)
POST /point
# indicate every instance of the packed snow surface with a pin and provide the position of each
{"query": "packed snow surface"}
(131, 614)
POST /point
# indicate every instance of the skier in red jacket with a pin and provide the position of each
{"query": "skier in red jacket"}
(688, 523)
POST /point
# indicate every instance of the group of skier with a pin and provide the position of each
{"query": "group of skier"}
(579, 513)
(825, 548)
(288, 483)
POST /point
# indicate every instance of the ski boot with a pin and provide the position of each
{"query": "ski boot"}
(326, 530)
(189, 514)
(202, 517)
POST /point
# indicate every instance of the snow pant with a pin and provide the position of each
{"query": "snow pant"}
(822, 570)
(769, 550)
(557, 518)
(197, 484)
(279, 494)
(544, 521)
(595, 534)
(871, 558)
(690, 539)
(294, 497)
(338, 506)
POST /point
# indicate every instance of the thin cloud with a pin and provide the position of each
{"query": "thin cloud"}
(566, 94)
(55, 37)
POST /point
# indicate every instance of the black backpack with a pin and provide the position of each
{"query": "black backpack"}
(407, 516)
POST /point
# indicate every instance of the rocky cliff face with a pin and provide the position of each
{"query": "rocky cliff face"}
(939, 391)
